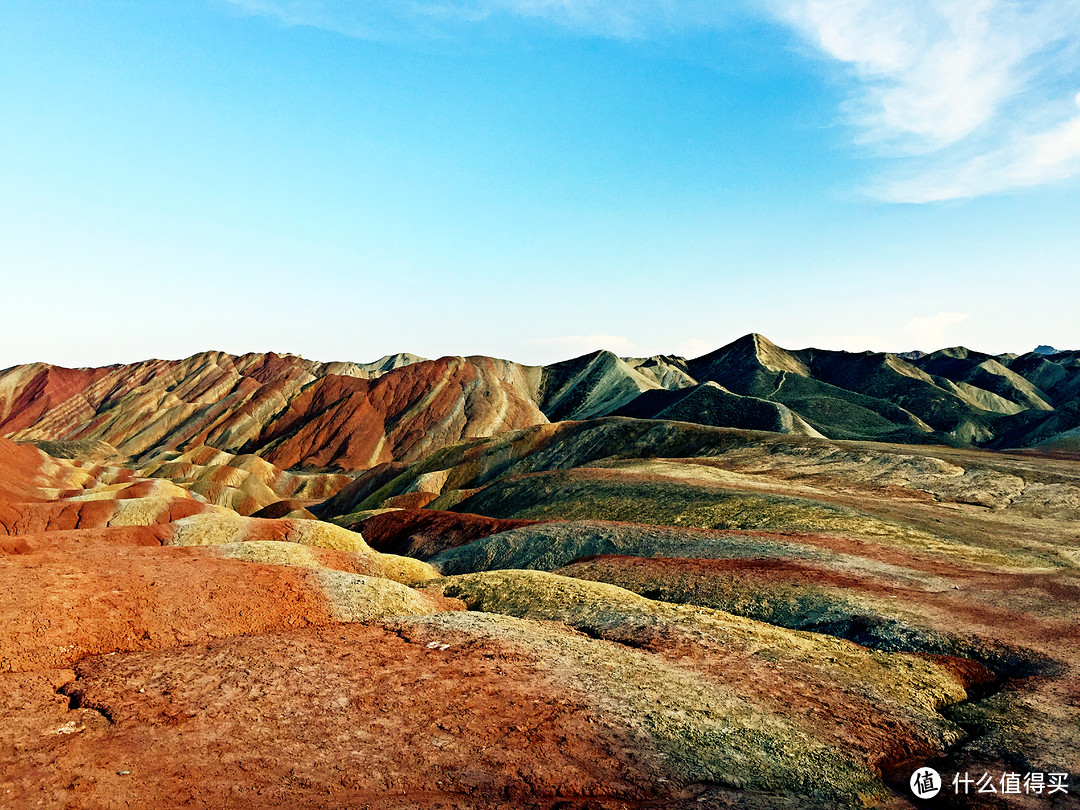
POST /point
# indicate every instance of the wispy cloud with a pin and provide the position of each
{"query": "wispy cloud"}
(955, 98)
(970, 97)
(1021, 159)
(927, 74)
(929, 332)
(377, 19)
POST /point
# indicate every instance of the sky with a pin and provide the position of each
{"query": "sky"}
(536, 179)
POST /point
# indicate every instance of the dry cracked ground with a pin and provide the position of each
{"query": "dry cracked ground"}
(610, 613)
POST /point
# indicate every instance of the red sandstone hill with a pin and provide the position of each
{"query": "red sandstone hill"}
(355, 424)
(20, 469)
(292, 411)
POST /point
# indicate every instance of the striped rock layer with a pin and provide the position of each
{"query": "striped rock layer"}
(297, 413)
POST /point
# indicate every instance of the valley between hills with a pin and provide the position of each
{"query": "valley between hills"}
(760, 578)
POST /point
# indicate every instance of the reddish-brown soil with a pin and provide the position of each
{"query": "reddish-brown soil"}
(284, 721)
(34, 518)
(22, 474)
(92, 540)
(106, 599)
(423, 533)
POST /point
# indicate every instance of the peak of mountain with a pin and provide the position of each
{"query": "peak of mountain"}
(390, 362)
(955, 352)
(752, 352)
(666, 370)
(591, 385)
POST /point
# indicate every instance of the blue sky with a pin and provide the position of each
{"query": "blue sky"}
(534, 179)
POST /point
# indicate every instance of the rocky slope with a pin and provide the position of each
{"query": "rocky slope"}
(611, 613)
(964, 558)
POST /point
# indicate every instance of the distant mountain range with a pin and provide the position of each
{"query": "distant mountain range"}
(297, 413)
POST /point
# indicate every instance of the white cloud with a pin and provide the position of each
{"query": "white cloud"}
(928, 73)
(850, 343)
(1027, 159)
(929, 332)
(576, 345)
(695, 347)
(973, 96)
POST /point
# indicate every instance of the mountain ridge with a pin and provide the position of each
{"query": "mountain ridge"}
(306, 414)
